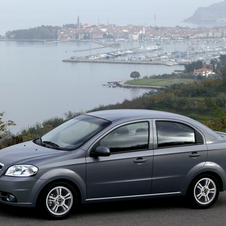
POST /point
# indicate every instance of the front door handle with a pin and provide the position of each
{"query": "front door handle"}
(194, 154)
(139, 160)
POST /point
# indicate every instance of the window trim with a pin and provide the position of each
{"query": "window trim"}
(150, 133)
(199, 138)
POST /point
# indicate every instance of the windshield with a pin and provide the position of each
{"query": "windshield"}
(75, 132)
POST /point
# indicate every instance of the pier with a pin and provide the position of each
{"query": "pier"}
(82, 60)
(104, 45)
(84, 50)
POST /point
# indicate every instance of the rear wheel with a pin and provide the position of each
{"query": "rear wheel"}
(203, 191)
(58, 200)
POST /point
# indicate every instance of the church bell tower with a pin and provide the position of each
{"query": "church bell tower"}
(78, 23)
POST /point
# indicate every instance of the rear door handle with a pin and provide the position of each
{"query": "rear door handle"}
(140, 160)
(194, 155)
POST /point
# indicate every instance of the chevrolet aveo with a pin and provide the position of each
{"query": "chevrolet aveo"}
(115, 155)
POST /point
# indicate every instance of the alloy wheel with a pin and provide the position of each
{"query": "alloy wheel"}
(59, 200)
(205, 191)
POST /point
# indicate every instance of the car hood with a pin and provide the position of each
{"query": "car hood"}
(27, 153)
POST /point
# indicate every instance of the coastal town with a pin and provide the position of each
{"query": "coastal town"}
(136, 32)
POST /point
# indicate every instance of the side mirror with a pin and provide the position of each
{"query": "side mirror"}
(100, 151)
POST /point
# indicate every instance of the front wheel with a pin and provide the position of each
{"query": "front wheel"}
(58, 200)
(203, 191)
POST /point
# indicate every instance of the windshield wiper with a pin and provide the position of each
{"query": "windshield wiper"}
(38, 141)
(47, 144)
(53, 145)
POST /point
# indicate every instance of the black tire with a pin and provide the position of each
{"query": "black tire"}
(57, 200)
(203, 191)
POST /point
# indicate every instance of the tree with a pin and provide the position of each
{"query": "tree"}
(223, 60)
(4, 125)
(219, 121)
(43, 32)
(6, 137)
(214, 62)
(135, 75)
(193, 66)
(223, 75)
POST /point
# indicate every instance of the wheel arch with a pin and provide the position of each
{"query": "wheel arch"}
(65, 176)
(211, 173)
(210, 168)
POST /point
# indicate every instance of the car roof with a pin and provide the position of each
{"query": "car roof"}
(120, 114)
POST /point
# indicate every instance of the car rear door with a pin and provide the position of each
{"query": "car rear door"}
(179, 151)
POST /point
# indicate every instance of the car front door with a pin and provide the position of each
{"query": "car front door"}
(179, 150)
(128, 169)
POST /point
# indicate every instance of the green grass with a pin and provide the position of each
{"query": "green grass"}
(159, 82)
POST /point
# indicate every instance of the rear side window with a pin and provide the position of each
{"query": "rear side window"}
(174, 133)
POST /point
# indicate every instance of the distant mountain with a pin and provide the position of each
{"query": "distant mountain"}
(213, 14)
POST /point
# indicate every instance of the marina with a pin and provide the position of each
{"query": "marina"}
(167, 52)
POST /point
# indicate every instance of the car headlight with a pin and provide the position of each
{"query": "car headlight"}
(21, 171)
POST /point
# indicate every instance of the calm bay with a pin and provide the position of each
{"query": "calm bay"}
(36, 85)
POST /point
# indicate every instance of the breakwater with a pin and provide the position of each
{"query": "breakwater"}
(80, 60)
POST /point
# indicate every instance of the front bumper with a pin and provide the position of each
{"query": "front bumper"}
(18, 191)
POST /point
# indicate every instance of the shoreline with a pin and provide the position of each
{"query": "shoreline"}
(123, 85)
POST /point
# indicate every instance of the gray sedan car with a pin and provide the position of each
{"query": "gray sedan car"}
(115, 155)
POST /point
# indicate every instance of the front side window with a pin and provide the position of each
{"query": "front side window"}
(127, 138)
(174, 133)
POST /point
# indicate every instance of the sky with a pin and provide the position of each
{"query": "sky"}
(24, 14)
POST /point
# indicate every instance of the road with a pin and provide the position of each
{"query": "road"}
(170, 211)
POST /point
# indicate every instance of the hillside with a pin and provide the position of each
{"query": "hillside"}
(214, 14)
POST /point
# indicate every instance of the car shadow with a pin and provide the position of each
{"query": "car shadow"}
(96, 208)
(133, 205)
(20, 212)
(114, 207)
